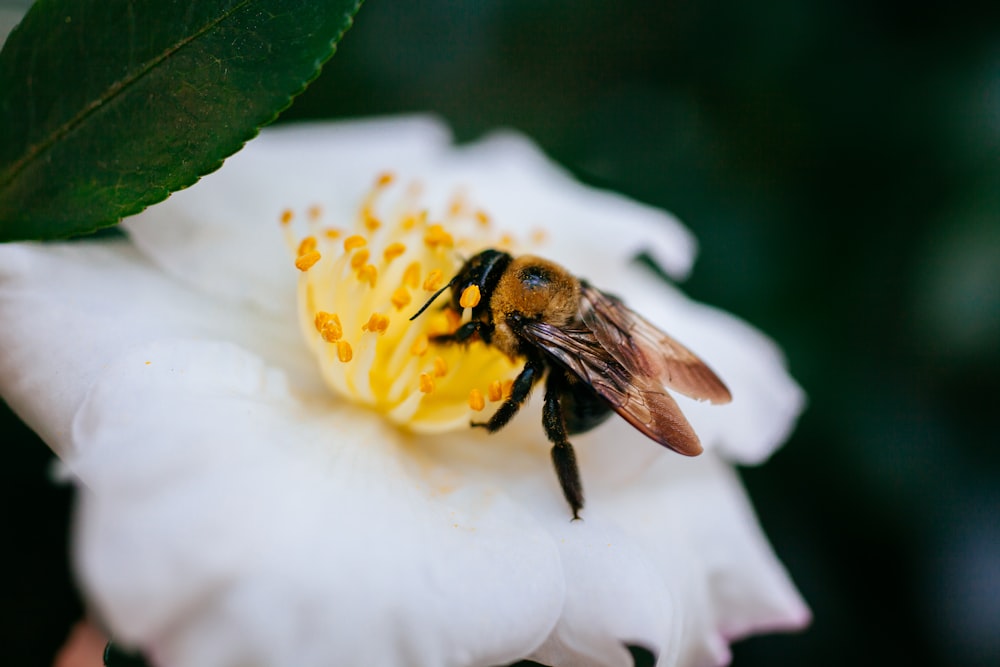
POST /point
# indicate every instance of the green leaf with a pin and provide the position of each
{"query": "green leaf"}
(108, 106)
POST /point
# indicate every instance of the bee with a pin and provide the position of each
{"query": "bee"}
(595, 354)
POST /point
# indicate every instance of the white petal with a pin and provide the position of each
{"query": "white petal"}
(692, 518)
(668, 556)
(587, 229)
(259, 530)
(223, 234)
(70, 309)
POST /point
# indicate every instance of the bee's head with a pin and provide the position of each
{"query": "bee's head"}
(482, 271)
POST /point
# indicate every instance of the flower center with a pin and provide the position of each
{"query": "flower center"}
(361, 281)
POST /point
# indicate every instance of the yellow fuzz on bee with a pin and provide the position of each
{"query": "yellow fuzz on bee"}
(360, 281)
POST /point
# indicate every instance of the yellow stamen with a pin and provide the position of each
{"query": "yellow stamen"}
(371, 222)
(308, 244)
(307, 261)
(457, 205)
(393, 250)
(384, 179)
(433, 280)
(538, 236)
(368, 274)
(286, 216)
(322, 317)
(436, 236)
(470, 297)
(411, 277)
(476, 401)
(354, 242)
(400, 298)
(331, 331)
(420, 346)
(377, 323)
(508, 387)
(495, 391)
(360, 258)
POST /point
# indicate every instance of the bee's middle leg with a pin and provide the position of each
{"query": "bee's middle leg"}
(523, 383)
(563, 456)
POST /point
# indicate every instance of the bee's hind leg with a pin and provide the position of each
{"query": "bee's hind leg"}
(563, 456)
(523, 383)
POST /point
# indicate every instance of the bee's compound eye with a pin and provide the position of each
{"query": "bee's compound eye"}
(535, 277)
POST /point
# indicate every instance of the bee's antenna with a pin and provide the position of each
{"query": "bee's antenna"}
(431, 300)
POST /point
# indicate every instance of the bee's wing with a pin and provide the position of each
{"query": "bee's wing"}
(645, 351)
(639, 399)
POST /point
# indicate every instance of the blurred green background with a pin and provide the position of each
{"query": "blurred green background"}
(839, 161)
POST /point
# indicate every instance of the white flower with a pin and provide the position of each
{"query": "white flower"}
(237, 511)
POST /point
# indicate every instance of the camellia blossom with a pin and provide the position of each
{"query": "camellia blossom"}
(275, 465)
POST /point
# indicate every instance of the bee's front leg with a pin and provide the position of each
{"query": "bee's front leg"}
(525, 380)
(464, 333)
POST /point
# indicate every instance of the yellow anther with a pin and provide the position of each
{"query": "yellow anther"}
(420, 346)
(400, 298)
(508, 388)
(315, 212)
(322, 317)
(377, 323)
(286, 216)
(306, 261)
(344, 351)
(354, 242)
(476, 401)
(495, 391)
(360, 258)
(393, 250)
(371, 222)
(418, 219)
(437, 236)
(483, 217)
(433, 280)
(426, 383)
(539, 236)
(411, 277)
(331, 331)
(332, 233)
(307, 245)
(457, 205)
(368, 274)
(384, 179)
(506, 241)
(470, 297)
(440, 367)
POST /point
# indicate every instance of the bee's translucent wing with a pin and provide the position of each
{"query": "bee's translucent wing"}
(646, 351)
(639, 399)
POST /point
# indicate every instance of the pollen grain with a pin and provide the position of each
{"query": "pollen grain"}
(433, 280)
(470, 297)
(476, 401)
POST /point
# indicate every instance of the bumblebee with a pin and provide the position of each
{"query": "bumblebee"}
(596, 355)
